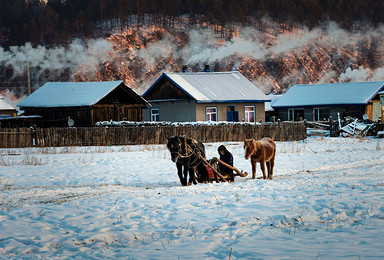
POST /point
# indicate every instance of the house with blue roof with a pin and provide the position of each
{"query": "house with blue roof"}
(205, 96)
(83, 103)
(316, 102)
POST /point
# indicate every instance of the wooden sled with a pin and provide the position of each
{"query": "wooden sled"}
(217, 175)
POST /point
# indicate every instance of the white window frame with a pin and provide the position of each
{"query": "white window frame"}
(316, 113)
(291, 113)
(247, 114)
(208, 115)
(155, 117)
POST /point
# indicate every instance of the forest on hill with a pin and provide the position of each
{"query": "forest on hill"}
(52, 22)
(274, 43)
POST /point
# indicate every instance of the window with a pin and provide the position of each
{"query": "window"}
(155, 114)
(320, 114)
(211, 113)
(249, 113)
(295, 114)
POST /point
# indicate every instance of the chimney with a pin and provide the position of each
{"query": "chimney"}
(206, 68)
(184, 68)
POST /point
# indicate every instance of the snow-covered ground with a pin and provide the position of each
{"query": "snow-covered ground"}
(326, 202)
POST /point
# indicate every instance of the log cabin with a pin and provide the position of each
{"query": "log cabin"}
(83, 104)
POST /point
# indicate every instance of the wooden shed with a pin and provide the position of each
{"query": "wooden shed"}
(6, 110)
(83, 103)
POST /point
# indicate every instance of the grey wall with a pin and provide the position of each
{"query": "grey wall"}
(353, 111)
(175, 111)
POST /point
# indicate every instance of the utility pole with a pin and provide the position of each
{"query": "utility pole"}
(28, 78)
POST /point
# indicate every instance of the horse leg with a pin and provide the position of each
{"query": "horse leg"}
(192, 176)
(269, 169)
(253, 163)
(272, 164)
(262, 166)
(185, 175)
(203, 172)
(180, 173)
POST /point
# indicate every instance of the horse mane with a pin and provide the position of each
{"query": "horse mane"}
(256, 145)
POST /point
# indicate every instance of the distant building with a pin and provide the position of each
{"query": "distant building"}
(83, 103)
(382, 105)
(270, 114)
(6, 110)
(205, 96)
(316, 102)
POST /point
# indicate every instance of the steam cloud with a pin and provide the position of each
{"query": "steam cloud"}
(248, 43)
(43, 59)
(202, 46)
(255, 46)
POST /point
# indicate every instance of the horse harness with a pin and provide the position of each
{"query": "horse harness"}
(189, 152)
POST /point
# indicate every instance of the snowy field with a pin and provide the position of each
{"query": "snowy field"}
(326, 202)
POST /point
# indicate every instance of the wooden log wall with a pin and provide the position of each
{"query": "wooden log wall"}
(133, 135)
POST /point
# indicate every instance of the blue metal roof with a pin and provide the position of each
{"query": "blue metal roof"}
(329, 94)
(69, 94)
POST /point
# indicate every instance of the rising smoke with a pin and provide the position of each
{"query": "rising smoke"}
(272, 57)
(86, 56)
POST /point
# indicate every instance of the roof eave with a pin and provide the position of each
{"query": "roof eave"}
(322, 105)
(49, 107)
(375, 94)
(177, 85)
(182, 89)
(105, 94)
(154, 84)
(232, 101)
(136, 95)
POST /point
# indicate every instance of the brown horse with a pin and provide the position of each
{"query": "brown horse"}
(262, 151)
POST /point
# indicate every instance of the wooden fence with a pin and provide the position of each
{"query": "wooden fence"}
(132, 135)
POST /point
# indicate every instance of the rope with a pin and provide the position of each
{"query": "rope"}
(239, 173)
(185, 143)
(186, 153)
(210, 166)
(189, 152)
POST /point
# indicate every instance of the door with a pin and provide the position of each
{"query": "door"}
(232, 115)
(376, 110)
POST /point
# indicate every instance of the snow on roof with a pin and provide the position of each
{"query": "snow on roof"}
(69, 94)
(329, 94)
(273, 98)
(216, 87)
(5, 106)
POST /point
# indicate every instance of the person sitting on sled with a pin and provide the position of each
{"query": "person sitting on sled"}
(226, 157)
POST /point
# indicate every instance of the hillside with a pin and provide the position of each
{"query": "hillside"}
(272, 55)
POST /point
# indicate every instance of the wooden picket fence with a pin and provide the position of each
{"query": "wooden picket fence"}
(156, 134)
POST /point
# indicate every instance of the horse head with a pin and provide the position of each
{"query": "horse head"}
(251, 146)
(174, 145)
